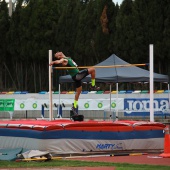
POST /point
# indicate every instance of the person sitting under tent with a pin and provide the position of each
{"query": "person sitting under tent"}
(76, 75)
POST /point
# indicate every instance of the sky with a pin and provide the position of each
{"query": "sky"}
(117, 1)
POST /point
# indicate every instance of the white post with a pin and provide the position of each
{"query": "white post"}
(50, 87)
(151, 83)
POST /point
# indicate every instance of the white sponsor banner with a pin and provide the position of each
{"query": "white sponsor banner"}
(84, 104)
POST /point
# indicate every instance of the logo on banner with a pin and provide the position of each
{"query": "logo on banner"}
(113, 105)
(86, 105)
(34, 105)
(138, 107)
(100, 105)
(22, 105)
(7, 104)
(108, 146)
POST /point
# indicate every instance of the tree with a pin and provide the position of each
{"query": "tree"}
(87, 30)
(106, 30)
(150, 17)
(124, 31)
(4, 27)
(86, 27)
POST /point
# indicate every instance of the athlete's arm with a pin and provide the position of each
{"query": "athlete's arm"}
(62, 61)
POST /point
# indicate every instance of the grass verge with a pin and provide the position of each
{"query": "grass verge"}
(73, 163)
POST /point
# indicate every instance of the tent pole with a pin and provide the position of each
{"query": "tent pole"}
(110, 98)
(151, 83)
(117, 88)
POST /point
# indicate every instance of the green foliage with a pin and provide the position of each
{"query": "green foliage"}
(87, 30)
(4, 28)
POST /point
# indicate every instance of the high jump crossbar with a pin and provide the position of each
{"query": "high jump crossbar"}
(110, 66)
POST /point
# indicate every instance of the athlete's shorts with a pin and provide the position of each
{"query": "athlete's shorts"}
(79, 76)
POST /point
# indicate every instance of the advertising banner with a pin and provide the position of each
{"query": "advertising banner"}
(141, 106)
(7, 104)
(83, 104)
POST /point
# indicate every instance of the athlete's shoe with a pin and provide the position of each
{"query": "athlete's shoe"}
(94, 88)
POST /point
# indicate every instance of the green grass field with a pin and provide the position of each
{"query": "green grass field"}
(73, 163)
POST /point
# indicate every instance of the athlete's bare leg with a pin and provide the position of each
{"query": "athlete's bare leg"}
(78, 91)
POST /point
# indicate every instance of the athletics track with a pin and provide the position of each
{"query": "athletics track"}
(148, 159)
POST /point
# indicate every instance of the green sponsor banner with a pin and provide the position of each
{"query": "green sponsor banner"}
(7, 104)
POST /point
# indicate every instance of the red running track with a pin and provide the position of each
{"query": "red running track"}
(150, 159)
